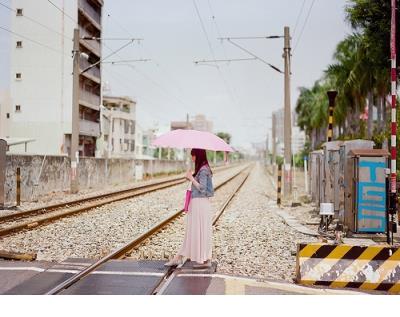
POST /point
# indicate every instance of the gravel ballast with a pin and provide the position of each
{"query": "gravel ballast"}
(97, 232)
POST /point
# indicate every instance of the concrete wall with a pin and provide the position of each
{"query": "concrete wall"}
(41, 175)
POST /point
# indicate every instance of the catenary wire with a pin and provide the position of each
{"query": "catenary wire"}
(298, 17)
(36, 22)
(63, 12)
(227, 87)
(33, 41)
(171, 78)
(304, 25)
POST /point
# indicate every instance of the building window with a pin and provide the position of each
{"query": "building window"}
(17, 108)
(19, 12)
(112, 144)
(19, 44)
(18, 76)
(8, 116)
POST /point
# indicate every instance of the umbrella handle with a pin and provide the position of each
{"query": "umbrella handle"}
(190, 186)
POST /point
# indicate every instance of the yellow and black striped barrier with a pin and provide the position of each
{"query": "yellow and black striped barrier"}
(279, 189)
(331, 96)
(373, 267)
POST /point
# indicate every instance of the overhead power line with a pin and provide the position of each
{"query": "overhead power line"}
(251, 37)
(224, 60)
(304, 25)
(298, 17)
(204, 29)
(127, 61)
(255, 56)
(36, 22)
(170, 78)
(109, 55)
(63, 12)
(227, 87)
(33, 41)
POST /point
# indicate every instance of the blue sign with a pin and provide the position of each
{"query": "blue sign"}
(371, 195)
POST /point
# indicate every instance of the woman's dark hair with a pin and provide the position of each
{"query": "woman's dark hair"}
(201, 159)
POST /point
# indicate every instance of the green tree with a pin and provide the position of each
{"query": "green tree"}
(225, 136)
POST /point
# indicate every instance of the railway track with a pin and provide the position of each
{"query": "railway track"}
(29, 219)
(124, 251)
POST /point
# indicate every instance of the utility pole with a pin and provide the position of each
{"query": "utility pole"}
(273, 142)
(287, 119)
(74, 151)
(267, 151)
(187, 150)
(393, 145)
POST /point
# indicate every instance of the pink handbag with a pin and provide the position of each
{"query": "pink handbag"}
(187, 198)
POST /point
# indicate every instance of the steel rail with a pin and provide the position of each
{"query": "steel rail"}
(122, 251)
(70, 211)
(106, 199)
(227, 202)
(49, 208)
(171, 273)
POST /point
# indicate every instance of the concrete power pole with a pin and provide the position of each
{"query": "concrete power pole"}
(273, 142)
(287, 119)
(74, 151)
(267, 151)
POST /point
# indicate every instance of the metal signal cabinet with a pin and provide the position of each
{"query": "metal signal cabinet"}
(366, 195)
(345, 178)
(331, 170)
(316, 175)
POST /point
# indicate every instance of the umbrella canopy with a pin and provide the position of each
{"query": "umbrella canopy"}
(189, 139)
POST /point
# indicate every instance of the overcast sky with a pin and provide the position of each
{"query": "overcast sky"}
(239, 96)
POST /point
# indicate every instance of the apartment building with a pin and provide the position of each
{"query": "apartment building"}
(118, 127)
(298, 136)
(200, 123)
(5, 104)
(41, 74)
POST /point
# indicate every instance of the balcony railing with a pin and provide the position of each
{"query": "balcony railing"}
(88, 9)
(89, 97)
(89, 128)
(94, 45)
(94, 71)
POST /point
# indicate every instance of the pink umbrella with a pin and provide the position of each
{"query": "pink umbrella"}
(189, 139)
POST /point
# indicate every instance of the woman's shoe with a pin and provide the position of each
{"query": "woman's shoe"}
(205, 265)
(173, 262)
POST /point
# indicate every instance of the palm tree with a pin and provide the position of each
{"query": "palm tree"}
(312, 110)
(345, 79)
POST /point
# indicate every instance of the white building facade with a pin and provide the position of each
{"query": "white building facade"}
(41, 74)
(298, 136)
(118, 128)
(5, 113)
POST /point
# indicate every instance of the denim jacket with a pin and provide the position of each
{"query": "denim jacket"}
(204, 178)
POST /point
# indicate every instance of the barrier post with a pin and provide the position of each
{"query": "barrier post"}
(279, 189)
(18, 186)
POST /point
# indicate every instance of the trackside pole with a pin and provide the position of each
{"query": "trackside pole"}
(279, 189)
(393, 152)
(18, 186)
(306, 174)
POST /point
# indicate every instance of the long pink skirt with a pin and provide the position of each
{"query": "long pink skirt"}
(197, 244)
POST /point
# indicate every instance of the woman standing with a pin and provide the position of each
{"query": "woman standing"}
(197, 244)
